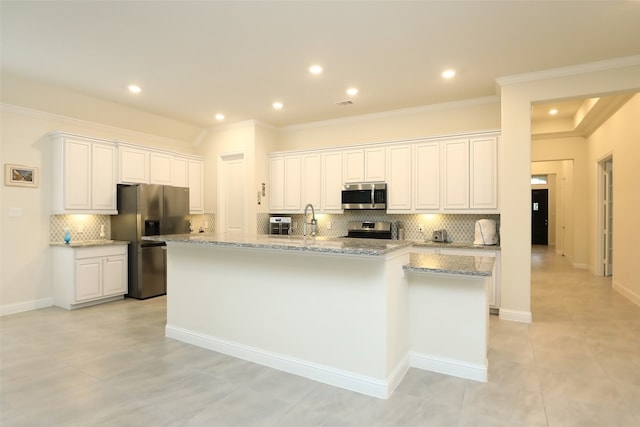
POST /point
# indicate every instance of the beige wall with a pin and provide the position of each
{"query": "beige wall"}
(25, 269)
(467, 116)
(619, 137)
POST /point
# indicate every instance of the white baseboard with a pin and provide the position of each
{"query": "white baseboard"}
(634, 297)
(374, 387)
(456, 368)
(25, 306)
(515, 315)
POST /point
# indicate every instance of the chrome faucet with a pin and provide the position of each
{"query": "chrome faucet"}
(313, 223)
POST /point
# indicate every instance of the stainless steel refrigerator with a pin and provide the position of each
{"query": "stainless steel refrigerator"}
(149, 210)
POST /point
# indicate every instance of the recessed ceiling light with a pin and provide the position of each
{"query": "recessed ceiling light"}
(448, 74)
(134, 88)
(553, 111)
(352, 91)
(315, 69)
(219, 116)
(277, 105)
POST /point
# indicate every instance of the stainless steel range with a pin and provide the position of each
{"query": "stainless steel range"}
(369, 230)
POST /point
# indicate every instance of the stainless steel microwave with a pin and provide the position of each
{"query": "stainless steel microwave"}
(364, 195)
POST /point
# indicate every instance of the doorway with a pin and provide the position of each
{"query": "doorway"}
(231, 189)
(540, 217)
(606, 216)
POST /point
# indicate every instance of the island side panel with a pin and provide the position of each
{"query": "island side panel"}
(449, 324)
(328, 310)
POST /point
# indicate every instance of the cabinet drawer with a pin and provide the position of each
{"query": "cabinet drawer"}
(101, 251)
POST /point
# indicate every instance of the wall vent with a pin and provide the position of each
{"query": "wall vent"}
(343, 103)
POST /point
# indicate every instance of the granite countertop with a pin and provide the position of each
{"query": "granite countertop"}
(453, 245)
(332, 245)
(89, 243)
(450, 264)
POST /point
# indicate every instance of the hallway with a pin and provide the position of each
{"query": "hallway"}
(578, 365)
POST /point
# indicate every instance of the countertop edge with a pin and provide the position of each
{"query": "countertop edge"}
(89, 243)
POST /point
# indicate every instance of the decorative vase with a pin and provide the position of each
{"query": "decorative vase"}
(67, 236)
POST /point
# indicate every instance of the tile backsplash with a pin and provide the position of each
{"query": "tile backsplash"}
(82, 227)
(460, 227)
(87, 227)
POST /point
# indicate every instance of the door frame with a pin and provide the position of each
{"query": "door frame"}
(600, 270)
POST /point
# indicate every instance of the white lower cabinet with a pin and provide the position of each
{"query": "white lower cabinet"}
(85, 276)
(494, 283)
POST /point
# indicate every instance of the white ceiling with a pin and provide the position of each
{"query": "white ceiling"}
(196, 58)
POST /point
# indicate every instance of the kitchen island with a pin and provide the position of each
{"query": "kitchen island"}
(333, 310)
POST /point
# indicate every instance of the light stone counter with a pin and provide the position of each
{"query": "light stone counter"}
(450, 264)
(89, 243)
(331, 245)
(453, 245)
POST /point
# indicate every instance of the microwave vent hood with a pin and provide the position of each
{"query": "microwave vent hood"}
(364, 196)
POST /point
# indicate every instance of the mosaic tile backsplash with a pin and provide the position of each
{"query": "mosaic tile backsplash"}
(87, 227)
(460, 227)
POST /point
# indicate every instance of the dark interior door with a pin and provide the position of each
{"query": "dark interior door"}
(539, 217)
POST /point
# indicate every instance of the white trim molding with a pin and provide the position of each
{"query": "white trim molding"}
(626, 292)
(609, 64)
(369, 386)
(25, 306)
(515, 315)
(456, 368)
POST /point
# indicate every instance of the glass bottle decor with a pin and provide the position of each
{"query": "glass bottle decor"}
(67, 236)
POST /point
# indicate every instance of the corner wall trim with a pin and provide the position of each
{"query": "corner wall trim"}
(456, 368)
(25, 306)
(515, 315)
(340, 378)
(626, 292)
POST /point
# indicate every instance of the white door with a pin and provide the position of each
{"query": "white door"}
(231, 190)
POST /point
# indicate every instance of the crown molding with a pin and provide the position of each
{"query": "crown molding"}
(43, 115)
(572, 70)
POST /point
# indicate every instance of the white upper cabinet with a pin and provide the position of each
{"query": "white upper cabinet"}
(103, 177)
(286, 183)
(196, 185)
(134, 165)
(426, 182)
(331, 177)
(180, 171)
(276, 180)
(399, 178)
(160, 167)
(84, 175)
(456, 174)
(312, 182)
(365, 165)
(484, 173)
(471, 174)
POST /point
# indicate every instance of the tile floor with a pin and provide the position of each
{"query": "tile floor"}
(578, 364)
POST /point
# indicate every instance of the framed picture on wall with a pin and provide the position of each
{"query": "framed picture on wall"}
(20, 175)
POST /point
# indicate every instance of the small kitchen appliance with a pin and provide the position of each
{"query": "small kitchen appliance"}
(280, 225)
(486, 232)
(364, 196)
(440, 236)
